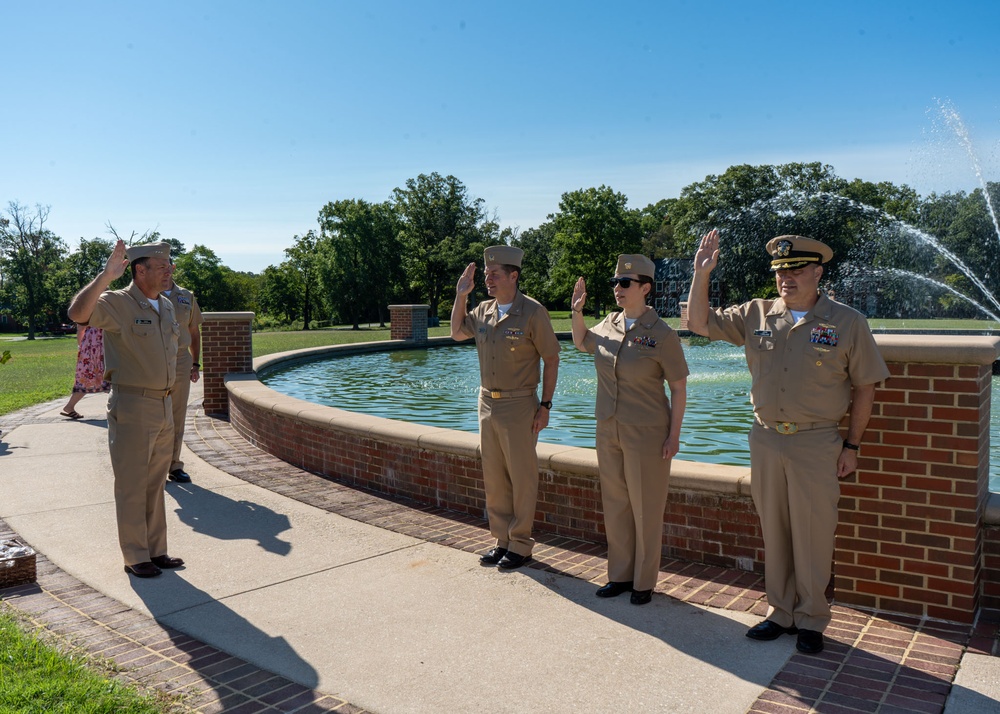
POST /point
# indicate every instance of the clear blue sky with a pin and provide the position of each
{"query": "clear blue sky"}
(230, 124)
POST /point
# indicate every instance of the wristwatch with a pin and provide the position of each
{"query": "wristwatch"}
(547, 405)
(849, 445)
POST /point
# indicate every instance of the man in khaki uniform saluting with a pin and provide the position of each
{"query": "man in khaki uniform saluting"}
(513, 332)
(140, 356)
(188, 367)
(812, 360)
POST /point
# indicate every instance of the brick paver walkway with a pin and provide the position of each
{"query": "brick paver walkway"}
(873, 662)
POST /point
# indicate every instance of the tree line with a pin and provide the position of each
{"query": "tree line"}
(363, 256)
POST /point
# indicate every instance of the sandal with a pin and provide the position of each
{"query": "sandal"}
(72, 415)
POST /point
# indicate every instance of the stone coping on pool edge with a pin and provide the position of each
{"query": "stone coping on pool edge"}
(684, 475)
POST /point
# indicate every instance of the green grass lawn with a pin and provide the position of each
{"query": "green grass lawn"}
(38, 371)
(37, 678)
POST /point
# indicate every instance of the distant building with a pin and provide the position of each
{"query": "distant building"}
(8, 323)
(672, 283)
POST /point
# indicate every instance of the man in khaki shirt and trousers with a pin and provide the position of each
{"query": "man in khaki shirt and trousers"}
(188, 367)
(811, 360)
(140, 355)
(512, 332)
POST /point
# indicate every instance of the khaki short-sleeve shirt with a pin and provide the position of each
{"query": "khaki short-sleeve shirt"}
(510, 347)
(188, 314)
(801, 372)
(140, 346)
(632, 367)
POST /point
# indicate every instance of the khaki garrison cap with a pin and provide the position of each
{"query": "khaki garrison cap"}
(789, 252)
(149, 250)
(638, 264)
(503, 255)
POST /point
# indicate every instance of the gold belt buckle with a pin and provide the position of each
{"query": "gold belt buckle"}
(495, 393)
(787, 427)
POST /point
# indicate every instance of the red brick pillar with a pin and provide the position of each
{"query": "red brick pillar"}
(408, 322)
(684, 316)
(911, 531)
(226, 347)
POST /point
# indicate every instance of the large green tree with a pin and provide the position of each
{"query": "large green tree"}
(593, 226)
(359, 265)
(656, 224)
(280, 291)
(30, 256)
(303, 257)
(440, 233)
(536, 265)
(80, 267)
(201, 271)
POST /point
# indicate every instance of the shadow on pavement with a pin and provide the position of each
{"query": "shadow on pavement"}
(212, 514)
(271, 654)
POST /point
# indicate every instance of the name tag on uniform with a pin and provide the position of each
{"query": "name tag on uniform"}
(761, 333)
(140, 321)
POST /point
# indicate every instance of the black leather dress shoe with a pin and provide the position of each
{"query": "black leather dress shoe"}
(166, 562)
(614, 589)
(769, 630)
(641, 597)
(180, 476)
(809, 642)
(143, 570)
(493, 556)
(513, 560)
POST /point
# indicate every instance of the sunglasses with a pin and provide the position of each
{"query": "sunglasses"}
(626, 283)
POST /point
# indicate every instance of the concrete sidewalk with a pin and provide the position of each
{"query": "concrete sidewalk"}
(351, 616)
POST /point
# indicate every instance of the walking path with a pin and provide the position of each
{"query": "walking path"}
(300, 594)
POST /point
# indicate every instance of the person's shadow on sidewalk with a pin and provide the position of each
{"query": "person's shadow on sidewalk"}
(233, 680)
(212, 514)
(788, 677)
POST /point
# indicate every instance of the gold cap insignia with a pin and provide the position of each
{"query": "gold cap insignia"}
(628, 266)
(783, 248)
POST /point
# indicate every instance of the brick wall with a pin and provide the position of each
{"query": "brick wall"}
(991, 567)
(914, 535)
(911, 533)
(408, 322)
(226, 348)
(710, 527)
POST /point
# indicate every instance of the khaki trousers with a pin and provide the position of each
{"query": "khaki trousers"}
(179, 394)
(634, 484)
(510, 469)
(796, 492)
(140, 436)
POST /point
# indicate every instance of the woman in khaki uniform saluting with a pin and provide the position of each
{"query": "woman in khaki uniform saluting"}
(638, 428)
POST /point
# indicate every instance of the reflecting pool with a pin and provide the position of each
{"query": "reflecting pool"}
(439, 387)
